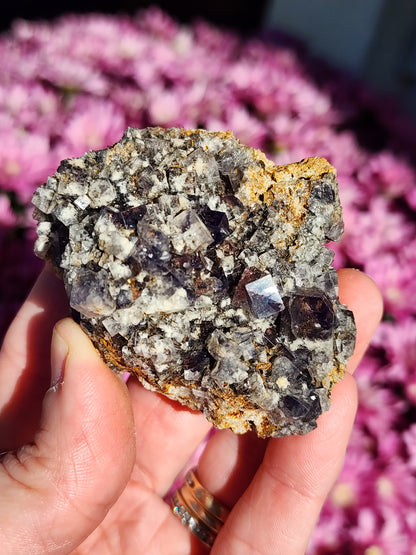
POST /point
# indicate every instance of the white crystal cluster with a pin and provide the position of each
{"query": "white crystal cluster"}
(196, 264)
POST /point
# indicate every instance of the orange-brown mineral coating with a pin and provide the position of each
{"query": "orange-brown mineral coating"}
(290, 185)
(228, 410)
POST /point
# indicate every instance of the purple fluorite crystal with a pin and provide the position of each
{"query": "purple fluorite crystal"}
(264, 297)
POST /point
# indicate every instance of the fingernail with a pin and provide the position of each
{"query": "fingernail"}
(59, 352)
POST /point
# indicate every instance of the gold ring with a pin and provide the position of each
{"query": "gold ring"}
(198, 509)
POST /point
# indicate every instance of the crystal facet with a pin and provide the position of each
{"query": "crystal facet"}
(264, 297)
(192, 233)
(312, 315)
(152, 247)
(216, 222)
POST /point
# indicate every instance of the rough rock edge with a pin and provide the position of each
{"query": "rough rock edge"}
(263, 182)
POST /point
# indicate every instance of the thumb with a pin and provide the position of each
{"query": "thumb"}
(56, 491)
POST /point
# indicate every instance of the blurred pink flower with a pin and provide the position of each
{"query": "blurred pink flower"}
(7, 216)
(354, 482)
(156, 22)
(328, 536)
(25, 161)
(395, 486)
(409, 437)
(377, 230)
(379, 533)
(93, 125)
(71, 75)
(394, 273)
(245, 127)
(387, 173)
(132, 101)
(303, 138)
(165, 107)
(30, 106)
(399, 348)
(379, 407)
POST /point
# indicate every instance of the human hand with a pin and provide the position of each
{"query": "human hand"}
(90, 459)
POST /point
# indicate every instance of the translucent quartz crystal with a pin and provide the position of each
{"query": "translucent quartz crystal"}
(192, 234)
(199, 266)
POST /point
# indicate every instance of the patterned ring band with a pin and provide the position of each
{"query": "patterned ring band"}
(198, 509)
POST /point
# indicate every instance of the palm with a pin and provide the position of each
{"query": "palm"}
(139, 522)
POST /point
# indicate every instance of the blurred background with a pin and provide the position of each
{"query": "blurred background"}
(374, 40)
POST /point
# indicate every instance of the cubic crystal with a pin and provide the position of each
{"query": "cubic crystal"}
(216, 222)
(152, 247)
(312, 315)
(192, 233)
(264, 297)
(90, 295)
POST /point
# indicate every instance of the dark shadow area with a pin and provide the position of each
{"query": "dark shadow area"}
(20, 416)
(19, 268)
(234, 14)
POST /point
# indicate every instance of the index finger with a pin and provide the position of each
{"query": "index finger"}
(361, 295)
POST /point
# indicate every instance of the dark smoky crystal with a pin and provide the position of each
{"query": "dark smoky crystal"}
(59, 241)
(124, 298)
(214, 283)
(312, 315)
(233, 201)
(324, 193)
(216, 222)
(185, 267)
(146, 180)
(240, 293)
(76, 316)
(300, 407)
(270, 338)
(205, 329)
(187, 262)
(152, 248)
(231, 166)
(295, 407)
(129, 218)
(195, 364)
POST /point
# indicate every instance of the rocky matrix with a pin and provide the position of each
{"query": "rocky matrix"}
(197, 265)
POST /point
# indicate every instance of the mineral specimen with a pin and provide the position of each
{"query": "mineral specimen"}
(197, 265)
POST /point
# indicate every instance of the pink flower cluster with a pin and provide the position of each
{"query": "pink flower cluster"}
(75, 84)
